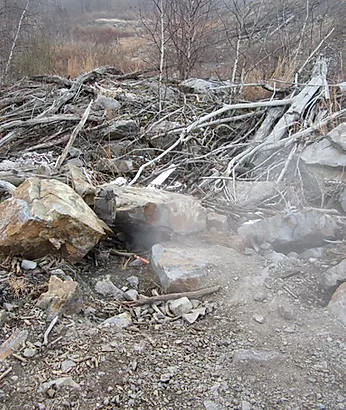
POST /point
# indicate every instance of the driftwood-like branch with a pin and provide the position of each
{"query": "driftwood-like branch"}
(7, 187)
(74, 134)
(172, 296)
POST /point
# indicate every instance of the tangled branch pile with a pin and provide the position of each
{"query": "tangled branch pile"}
(204, 135)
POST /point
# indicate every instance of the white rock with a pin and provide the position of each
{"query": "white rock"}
(121, 321)
(180, 306)
(28, 265)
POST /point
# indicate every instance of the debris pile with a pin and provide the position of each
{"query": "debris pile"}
(111, 175)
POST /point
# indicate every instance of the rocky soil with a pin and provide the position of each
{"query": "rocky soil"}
(267, 341)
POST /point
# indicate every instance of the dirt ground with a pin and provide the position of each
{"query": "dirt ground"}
(267, 342)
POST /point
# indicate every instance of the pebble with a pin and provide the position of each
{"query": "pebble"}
(28, 265)
(131, 295)
(286, 312)
(259, 319)
(133, 281)
(260, 297)
(180, 306)
(245, 405)
(67, 365)
(29, 352)
(210, 405)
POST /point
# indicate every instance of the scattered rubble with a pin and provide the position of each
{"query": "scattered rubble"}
(179, 183)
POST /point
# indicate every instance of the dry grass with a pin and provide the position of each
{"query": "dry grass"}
(18, 286)
(74, 58)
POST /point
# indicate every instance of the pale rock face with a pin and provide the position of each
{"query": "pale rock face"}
(46, 217)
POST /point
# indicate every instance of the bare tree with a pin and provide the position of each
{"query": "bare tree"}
(187, 27)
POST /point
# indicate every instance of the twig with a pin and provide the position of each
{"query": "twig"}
(5, 373)
(74, 134)
(172, 296)
(49, 329)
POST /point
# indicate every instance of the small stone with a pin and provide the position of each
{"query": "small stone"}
(28, 265)
(210, 405)
(29, 352)
(67, 365)
(57, 383)
(249, 252)
(286, 312)
(180, 306)
(166, 377)
(121, 321)
(194, 315)
(217, 222)
(133, 281)
(131, 295)
(245, 405)
(256, 355)
(260, 297)
(259, 319)
(107, 288)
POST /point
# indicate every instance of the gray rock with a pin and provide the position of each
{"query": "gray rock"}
(107, 103)
(260, 296)
(312, 253)
(252, 193)
(334, 276)
(131, 295)
(28, 265)
(119, 322)
(258, 318)
(133, 281)
(120, 129)
(286, 312)
(196, 86)
(210, 405)
(298, 229)
(323, 153)
(107, 288)
(58, 383)
(254, 355)
(175, 269)
(194, 315)
(337, 136)
(180, 306)
(29, 352)
(217, 222)
(159, 134)
(245, 405)
(337, 305)
(67, 365)
(249, 252)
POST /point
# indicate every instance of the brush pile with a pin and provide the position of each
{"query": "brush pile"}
(197, 137)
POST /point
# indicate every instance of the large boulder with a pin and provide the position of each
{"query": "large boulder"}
(292, 231)
(45, 217)
(146, 206)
